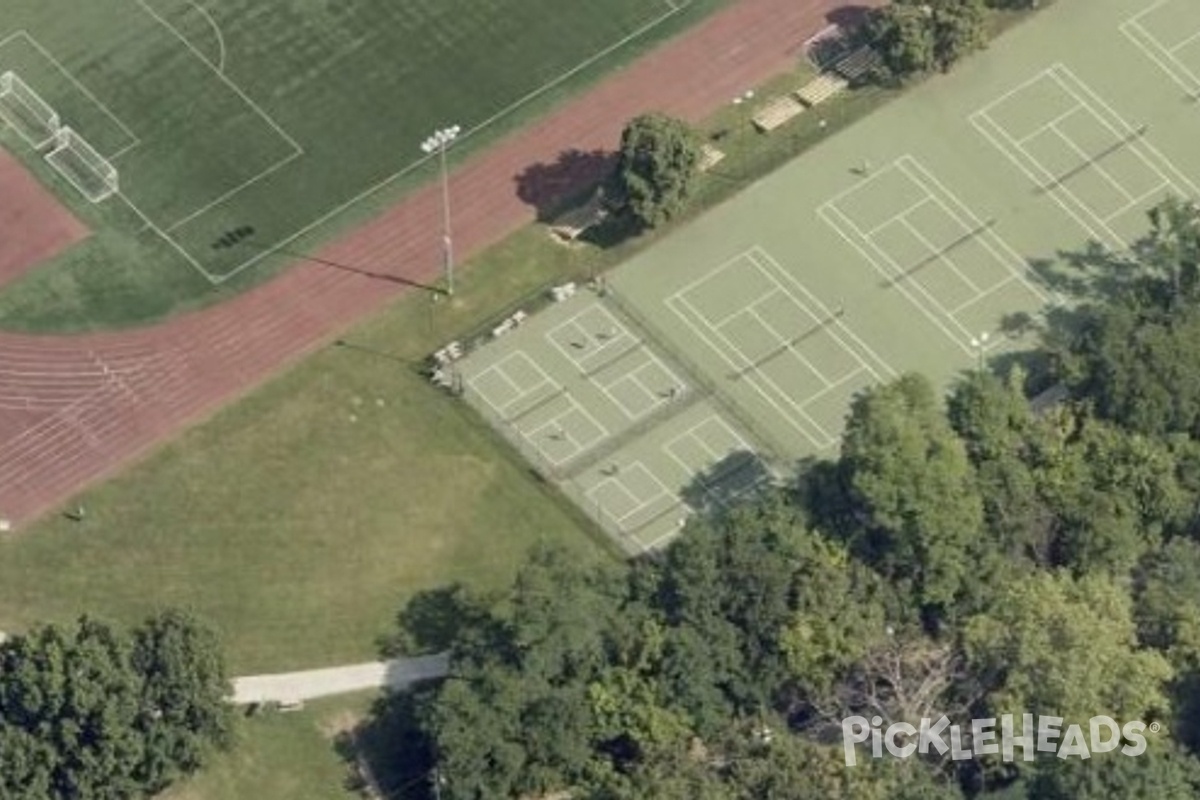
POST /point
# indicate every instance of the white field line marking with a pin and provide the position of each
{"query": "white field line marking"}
(222, 77)
(680, 5)
(220, 65)
(209, 206)
(133, 139)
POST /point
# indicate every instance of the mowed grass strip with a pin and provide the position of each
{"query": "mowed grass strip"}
(301, 518)
(300, 108)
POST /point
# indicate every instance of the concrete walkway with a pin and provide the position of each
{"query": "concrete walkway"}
(292, 687)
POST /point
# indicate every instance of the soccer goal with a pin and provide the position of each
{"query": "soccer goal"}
(28, 114)
(82, 166)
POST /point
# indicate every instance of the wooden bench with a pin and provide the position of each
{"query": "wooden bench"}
(820, 89)
(775, 113)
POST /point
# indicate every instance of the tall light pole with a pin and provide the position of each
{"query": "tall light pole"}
(437, 143)
(979, 343)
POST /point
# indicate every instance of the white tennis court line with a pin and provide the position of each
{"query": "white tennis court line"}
(1092, 221)
(582, 334)
(769, 268)
(134, 141)
(996, 246)
(752, 378)
(631, 375)
(636, 467)
(839, 328)
(1164, 57)
(840, 223)
(896, 275)
(715, 456)
(942, 257)
(787, 344)
(1052, 124)
(501, 409)
(899, 216)
(536, 438)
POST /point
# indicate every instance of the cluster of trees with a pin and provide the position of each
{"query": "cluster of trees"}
(659, 156)
(962, 556)
(92, 711)
(915, 37)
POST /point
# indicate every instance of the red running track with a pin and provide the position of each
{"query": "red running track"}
(74, 409)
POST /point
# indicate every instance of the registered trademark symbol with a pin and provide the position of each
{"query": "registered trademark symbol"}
(1155, 727)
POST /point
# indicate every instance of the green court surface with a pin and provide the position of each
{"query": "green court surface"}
(227, 114)
(900, 244)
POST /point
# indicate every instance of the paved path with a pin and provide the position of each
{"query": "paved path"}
(293, 687)
(75, 409)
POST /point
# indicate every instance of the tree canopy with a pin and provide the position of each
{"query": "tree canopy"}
(659, 166)
(961, 555)
(92, 711)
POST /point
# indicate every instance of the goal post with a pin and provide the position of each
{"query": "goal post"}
(28, 114)
(77, 161)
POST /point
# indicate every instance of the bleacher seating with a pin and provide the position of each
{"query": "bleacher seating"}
(775, 113)
(821, 88)
(858, 64)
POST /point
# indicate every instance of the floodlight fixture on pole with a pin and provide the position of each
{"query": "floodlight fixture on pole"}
(979, 343)
(437, 143)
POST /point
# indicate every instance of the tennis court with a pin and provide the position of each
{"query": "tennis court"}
(601, 409)
(904, 243)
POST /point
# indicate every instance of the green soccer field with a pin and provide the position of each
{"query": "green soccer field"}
(913, 241)
(284, 117)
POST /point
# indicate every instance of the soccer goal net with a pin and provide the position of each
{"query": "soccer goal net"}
(82, 166)
(28, 114)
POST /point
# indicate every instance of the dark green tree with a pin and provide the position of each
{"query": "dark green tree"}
(918, 36)
(659, 166)
(89, 711)
(1163, 772)
(914, 485)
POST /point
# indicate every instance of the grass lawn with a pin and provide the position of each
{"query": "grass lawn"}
(301, 533)
(290, 755)
(236, 113)
(300, 518)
